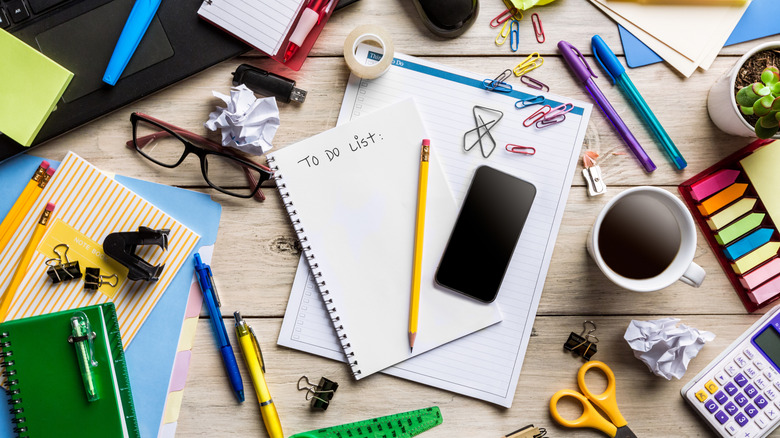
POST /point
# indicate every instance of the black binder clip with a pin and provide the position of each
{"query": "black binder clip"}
(93, 280)
(584, 344)
(59, 271)
(321, 394)
(121, 247)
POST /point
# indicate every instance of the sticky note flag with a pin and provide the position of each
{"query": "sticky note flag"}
(722, 198)
(30, 87)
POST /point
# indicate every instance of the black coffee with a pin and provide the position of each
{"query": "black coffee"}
(639, 237)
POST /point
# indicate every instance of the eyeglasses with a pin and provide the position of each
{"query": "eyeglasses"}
(223, 169)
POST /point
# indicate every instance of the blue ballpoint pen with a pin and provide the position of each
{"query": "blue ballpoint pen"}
(135, 27)
(205, 280)
(617, 73)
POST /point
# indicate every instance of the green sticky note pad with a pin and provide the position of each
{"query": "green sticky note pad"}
(30, 87)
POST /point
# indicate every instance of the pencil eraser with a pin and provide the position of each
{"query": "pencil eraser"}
(426, 142)
(50, 206)
(50, 171)
(45, 164)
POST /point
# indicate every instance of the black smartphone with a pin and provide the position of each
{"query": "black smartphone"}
(485, 234)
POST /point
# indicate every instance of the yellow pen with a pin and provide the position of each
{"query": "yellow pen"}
(253, 358)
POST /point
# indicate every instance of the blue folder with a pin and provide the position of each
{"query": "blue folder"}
(751, 26)
(151, 354)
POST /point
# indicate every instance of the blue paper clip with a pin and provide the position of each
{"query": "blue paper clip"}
(514, 35)
(536, 100)
(498, 83)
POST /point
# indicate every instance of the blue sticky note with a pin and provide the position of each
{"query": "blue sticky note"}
(151, 354)
(748, 243)
(751, 26)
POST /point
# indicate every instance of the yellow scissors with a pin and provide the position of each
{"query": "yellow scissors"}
(606, 401)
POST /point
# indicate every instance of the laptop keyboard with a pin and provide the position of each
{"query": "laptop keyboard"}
(16, 12)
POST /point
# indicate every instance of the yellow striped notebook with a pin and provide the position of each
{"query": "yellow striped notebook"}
(89, 206)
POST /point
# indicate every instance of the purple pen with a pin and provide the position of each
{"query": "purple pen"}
(582, 70)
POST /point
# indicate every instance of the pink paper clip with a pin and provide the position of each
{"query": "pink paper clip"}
(538, 115)
(533, 83)
(506, 15)
(544, 122)
(538, 29)
(517, 149)
(559, 110)
(536, 100)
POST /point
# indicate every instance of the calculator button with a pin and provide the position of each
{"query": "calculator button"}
(740, 361)
(750, 353)
(770, 393)
(701, 395)
(722, 418)
(751, 391)
(759, 363)
(741, 399)
(740, 379)
(711, 387)
(731, 369)
(771, 413)
(761, 422)
(731, 428)
(731, 388)
(760, 402)
(770, 373)
(731, 408)
(751, 372)
(721, 378)
(710, 406)
(721, 397)
(751, 410)
(760, 382)
(741, 419)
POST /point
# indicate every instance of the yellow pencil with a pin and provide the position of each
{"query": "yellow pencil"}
(419, 229)
(28, 189)
(24, 207)
(24, 262)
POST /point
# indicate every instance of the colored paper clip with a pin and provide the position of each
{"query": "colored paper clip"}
(534, 60)
(60, 268)
(538, 29)
(538, 115)
(514, 35)
(559, 110)
(518, 149)
(506, 15)
(536, 100)
(533, 83)
(546, 122)
(498, 83)
(503, 34)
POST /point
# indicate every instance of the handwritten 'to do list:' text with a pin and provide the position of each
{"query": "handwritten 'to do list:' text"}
(359, 143)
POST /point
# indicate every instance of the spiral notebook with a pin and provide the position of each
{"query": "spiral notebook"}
(352, 193)
(45, 383)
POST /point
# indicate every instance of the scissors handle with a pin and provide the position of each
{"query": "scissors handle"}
(589, 418)
(606, 401)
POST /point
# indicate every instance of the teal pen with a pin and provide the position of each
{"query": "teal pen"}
(617, 73)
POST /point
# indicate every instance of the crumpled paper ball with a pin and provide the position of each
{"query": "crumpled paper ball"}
(247, 123)
(664, 347)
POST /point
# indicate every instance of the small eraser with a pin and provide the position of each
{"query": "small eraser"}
(50, 171)
(426, 142)
(50, 206)
(45, 164)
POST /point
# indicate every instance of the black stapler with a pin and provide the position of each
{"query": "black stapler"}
(121, 247)
(447, 18)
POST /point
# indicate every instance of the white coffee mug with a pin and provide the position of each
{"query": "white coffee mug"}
(682, 266)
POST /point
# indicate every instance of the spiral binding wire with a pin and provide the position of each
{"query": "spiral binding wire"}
(12, 385)
(289, 205)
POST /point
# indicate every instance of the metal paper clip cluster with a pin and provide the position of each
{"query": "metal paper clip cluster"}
(533, 83)
(534, 60)
(506, 15)
(59, 271)
(548, 116)
(483, 129)
(538, 29)
(498, 83)
(584, 344)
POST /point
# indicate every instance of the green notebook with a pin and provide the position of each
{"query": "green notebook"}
(44, 376)
(30, 86)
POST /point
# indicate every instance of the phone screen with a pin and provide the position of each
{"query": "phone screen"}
(485, 234)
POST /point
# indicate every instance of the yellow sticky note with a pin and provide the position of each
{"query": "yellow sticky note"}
(172, 406)
(756, 257)
(30, 87)
(761, 168)
(187, 337)
(731, 213)
(83, 250)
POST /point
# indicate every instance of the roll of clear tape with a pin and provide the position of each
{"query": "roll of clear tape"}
(368, 33)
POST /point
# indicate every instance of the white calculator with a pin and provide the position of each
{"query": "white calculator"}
(738, 393)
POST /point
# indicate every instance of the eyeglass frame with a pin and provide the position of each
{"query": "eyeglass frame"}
(189, 147)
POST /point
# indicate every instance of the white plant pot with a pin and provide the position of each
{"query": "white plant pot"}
(722, 103)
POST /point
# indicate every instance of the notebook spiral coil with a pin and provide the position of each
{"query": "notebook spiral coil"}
(12, 386)
(314, 266)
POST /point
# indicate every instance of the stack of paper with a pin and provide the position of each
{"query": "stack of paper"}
(687, 37)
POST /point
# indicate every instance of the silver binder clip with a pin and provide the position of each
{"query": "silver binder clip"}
(592, 174)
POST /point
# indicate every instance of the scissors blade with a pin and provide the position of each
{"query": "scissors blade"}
(624, 432)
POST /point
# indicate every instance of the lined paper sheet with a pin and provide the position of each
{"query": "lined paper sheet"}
(94, 205)
(486, 364)
(263, 24)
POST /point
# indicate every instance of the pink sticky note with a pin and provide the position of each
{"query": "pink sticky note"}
(766, 291)
(760, 275)
(713, 183)
(180, 367)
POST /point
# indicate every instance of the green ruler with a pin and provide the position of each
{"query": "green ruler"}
(403, 425)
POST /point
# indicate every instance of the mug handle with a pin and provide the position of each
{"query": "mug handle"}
(694, 275)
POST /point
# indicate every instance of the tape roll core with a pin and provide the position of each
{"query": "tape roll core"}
(363, 34)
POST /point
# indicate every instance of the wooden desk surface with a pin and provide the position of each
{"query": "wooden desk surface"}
(256, 255)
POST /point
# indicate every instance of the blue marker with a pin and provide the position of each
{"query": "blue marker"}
(617, 73)
(135, 27)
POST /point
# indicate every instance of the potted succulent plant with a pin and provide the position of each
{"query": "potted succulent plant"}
(748, 74)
